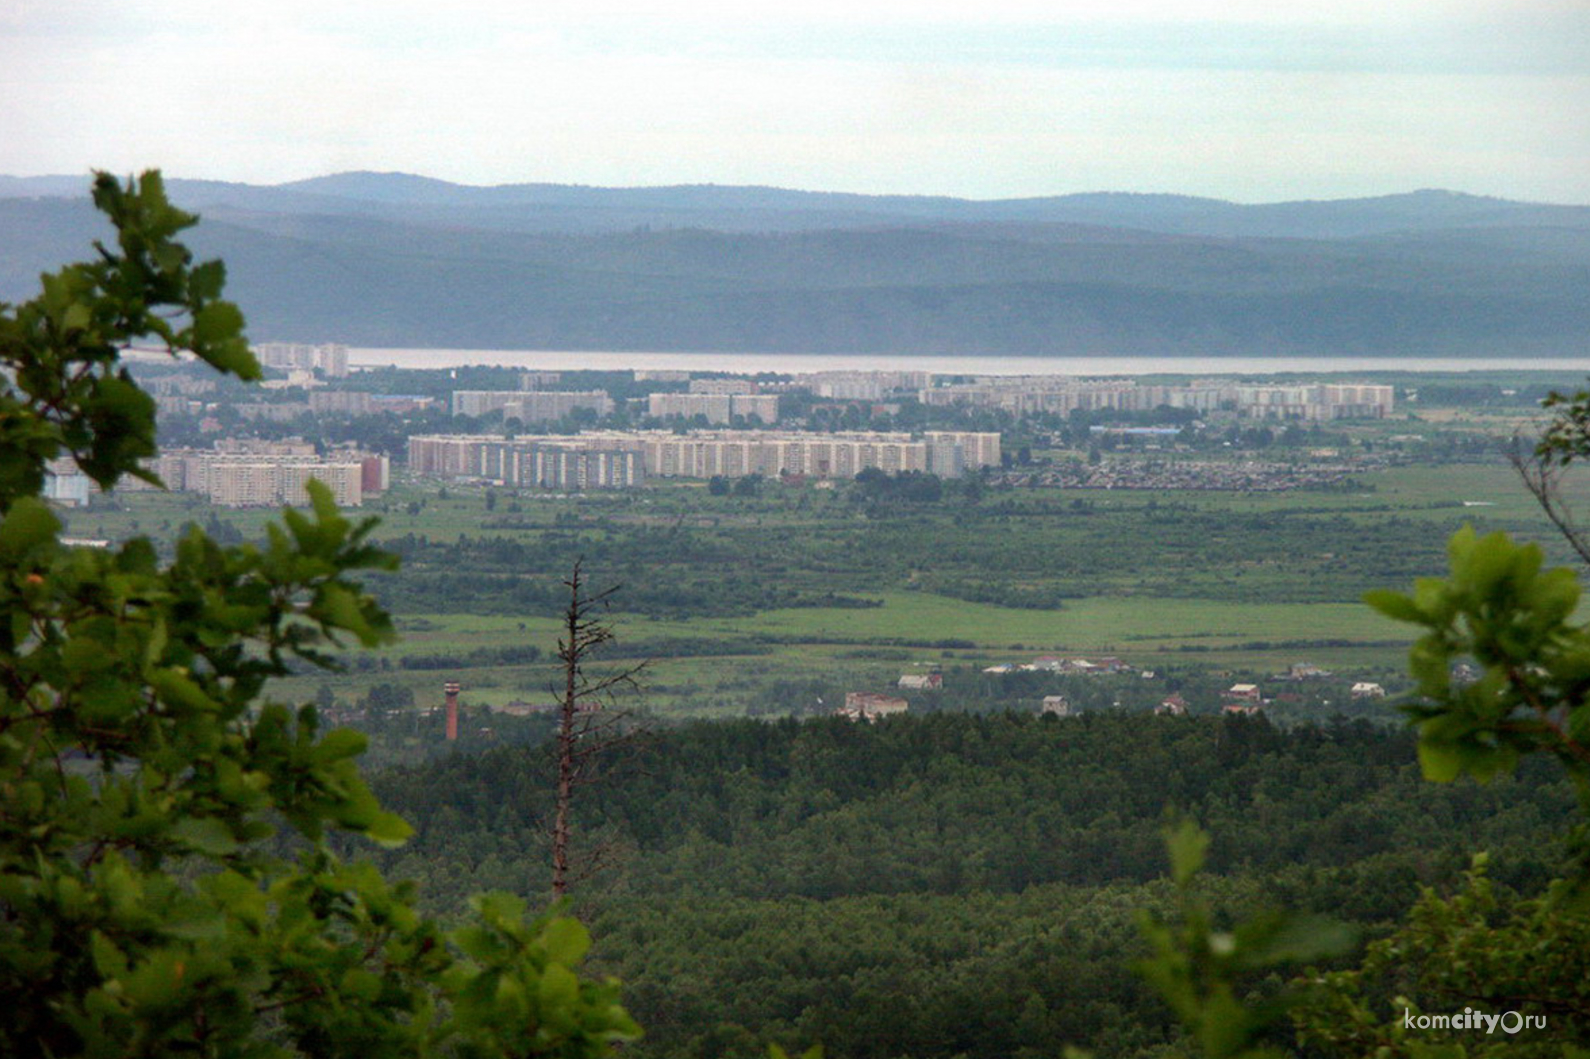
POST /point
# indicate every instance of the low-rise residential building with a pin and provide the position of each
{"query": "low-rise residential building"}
(921, 681)
(869, 706)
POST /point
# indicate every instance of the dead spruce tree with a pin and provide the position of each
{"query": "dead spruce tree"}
(588, 726)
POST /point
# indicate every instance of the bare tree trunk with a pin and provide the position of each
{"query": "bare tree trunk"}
(581, 736)
(567, 737)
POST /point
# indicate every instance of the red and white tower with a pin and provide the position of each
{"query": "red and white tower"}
(451, 688)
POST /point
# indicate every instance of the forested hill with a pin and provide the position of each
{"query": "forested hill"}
(390, 259)
(953, 884)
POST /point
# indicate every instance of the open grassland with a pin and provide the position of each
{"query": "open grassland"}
(743, 601)
(869, 649)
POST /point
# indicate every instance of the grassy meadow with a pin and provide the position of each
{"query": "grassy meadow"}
(1245, 583)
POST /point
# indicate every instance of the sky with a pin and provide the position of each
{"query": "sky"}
(1236, 99)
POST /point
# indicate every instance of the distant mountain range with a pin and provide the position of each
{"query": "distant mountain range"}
(388, 259)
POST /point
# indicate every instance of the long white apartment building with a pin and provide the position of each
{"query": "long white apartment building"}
(254, 473)
(716, 407)
(701, 454)
(1315, 401)
(1064, 395)
(863, 385)
(530, 406)
(1027, 396)
(563, 462)
(731, 385)
(260, 479)
(737, 453)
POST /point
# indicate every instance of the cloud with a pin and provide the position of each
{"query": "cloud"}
(1239, 98)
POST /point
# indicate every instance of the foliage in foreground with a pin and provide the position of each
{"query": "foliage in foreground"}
(1503, 674)
(146, 779)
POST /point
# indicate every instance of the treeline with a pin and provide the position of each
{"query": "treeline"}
(418, 590)
(910, 888)
(791, 551)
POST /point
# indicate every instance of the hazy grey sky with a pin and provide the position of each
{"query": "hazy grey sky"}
(1240, 99)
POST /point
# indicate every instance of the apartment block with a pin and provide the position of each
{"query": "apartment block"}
(1062, 395)
(715, 407)
(863, 385)
(597, 461)
(530, 406)
(952, 453)
(729, 386)
(343, 402)
(265, 481)
(1314, 402)
(330, 360)
(251, 473)
(699, 454)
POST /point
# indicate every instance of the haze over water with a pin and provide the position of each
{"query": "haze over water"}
(791, 363)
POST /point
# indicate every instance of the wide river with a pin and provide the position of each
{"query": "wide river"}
(789, 363)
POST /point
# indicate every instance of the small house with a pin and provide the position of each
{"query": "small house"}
(1172, 705)
(869, 706)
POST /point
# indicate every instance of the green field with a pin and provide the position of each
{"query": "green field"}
(727, 593)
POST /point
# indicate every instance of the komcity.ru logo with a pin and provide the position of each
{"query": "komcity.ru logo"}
(1469, 1019)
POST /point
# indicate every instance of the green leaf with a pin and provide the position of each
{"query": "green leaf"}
(558, 990)
(360, 984)
(205, 835)
(1395, 605)
(389, 829)
(176, 688)
(566, 940)
(341, 743)
(1187, 844)
(206, 280)
(217, 322)
(27, 525)
(1440, 762)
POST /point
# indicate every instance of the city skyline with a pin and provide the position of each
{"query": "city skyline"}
(1234, 100)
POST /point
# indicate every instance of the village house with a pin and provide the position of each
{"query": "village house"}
(869, 706)
(1172, 705)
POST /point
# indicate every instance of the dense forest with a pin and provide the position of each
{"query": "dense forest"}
(953, 884)
(1015, 550)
